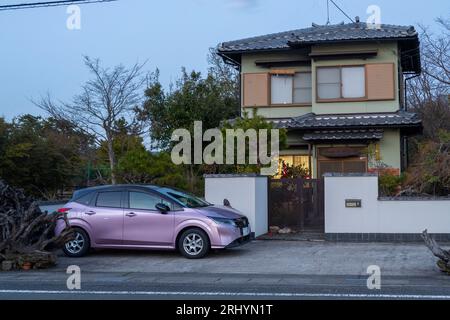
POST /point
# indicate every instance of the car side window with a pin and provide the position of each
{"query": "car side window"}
(110, 199)
(143, 201)
(85, 199)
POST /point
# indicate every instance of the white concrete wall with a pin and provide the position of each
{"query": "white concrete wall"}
(246, 193)
(375, 216)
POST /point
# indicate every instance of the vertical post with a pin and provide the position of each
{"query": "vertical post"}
(309, 160)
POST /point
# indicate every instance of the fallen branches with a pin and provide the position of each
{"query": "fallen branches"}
(443, 255)
(26, 232)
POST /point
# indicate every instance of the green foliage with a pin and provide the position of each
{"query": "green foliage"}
(390, 184)
(430, 172)
(141, 166)
(193, 99)
(291, 171)
(255, 122)
(41, 155)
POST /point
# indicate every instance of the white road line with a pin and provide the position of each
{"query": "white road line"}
(235, 294)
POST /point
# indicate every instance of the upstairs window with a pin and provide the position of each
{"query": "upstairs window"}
(334, 83)
(295, 88)
(281, 89)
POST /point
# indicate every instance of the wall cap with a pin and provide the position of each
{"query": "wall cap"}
(243, 175)
(414, 198)
(346, 175)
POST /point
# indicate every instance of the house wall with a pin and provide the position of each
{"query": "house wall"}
(376, 216)
(387, 53)
(246, 193)
(390, 150)
(248, 66)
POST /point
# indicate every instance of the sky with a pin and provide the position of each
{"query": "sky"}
(40, 55)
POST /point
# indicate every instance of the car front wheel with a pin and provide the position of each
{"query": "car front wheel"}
(193, 244)
(78, 246)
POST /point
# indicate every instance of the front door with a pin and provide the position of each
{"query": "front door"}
(144, 224)
(106, 218)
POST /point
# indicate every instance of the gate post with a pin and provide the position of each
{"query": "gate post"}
(247, 193)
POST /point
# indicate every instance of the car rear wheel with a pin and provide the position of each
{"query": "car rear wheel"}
(78, 246)
(193, 243)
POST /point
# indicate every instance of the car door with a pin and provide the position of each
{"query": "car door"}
(143, 223)
(105, 217)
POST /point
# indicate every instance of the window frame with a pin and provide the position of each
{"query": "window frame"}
(174, 207)
(293, 104)
(341, 98)
(95, 199)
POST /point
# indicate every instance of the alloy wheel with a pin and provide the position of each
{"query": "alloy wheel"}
(193, 244)
(76, 245)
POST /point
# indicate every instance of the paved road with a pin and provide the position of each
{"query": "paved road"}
(260, 270)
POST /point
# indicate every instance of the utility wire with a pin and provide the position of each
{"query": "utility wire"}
(31, 5)
(345, 14)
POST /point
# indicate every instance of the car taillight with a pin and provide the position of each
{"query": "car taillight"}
(64, 210)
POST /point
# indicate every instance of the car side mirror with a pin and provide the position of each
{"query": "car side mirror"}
(163, 208)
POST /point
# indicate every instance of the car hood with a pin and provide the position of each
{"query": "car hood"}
(220, 212)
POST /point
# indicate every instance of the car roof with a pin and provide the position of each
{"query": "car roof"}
(81, 192)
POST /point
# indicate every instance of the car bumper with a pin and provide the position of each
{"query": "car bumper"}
(228, 237)
(239, 242)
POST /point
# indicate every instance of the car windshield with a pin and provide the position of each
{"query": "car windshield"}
(184, 199)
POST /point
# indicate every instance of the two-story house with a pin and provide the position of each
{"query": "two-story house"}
(339, 90)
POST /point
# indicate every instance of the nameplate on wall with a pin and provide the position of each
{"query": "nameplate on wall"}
(353, 203)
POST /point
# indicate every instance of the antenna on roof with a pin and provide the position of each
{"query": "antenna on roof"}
(328, 12)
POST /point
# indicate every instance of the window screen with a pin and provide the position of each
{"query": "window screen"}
(302, 88)
(353, 82)
(109, 199)
(328, 83)
(281, 89)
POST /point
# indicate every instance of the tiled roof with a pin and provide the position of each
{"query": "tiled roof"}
(335, 121)
(319, 34)
(344, 135)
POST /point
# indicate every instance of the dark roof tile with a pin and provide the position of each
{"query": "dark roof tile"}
(315, 121)
(317, 34)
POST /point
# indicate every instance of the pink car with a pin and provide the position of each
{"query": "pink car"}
(150, 217)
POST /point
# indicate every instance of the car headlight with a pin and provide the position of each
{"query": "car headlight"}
(226, 221)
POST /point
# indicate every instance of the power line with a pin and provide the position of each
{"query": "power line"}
(343, 12)
(31, 5)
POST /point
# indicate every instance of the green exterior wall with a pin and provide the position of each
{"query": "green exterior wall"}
(389, 146)
(387, 53)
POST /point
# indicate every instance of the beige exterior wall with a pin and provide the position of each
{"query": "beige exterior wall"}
(387, 53)
(248, 66)
(390, 148)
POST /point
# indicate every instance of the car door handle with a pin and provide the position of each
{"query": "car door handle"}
(90, 213)
(131, 214)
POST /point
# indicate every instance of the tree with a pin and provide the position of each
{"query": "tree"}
(141, 166)
(257, 123)
(430, 173)
(110, 96)
(192, 98)
(427, 94)
(42, 155)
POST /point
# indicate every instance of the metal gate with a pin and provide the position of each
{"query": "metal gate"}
(297, 203)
